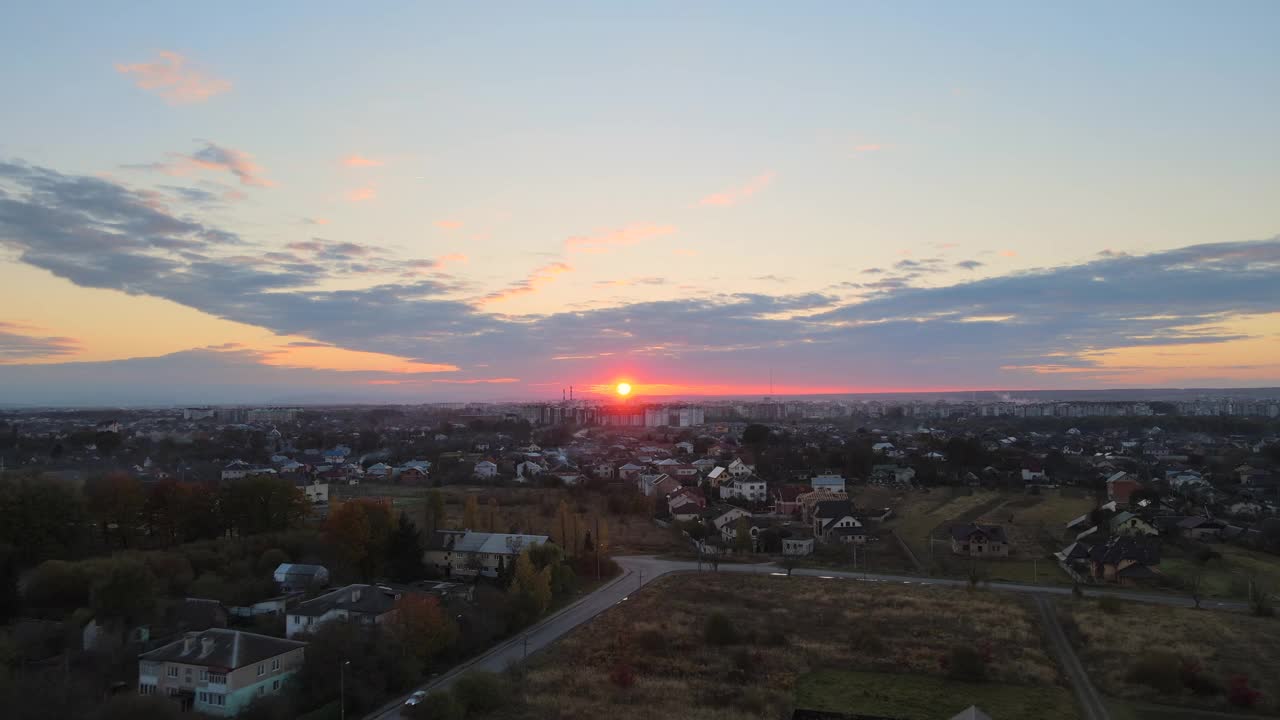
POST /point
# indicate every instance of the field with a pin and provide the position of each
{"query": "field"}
(926, 698)
(1225, 577)
(529, 509)
(788, 629)
(1222, 644)
(1033, 523)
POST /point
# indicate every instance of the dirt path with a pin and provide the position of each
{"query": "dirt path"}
(1090, 701)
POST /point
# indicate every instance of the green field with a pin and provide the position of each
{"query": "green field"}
(923, 697)
(1227, 577)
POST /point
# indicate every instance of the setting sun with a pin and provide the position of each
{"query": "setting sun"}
(624, 389)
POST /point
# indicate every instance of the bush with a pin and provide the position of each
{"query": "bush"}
(437, 706)
(1110, 605)
(1240, 694)
(865, 640)
(480, 692)
(720, 630)
(966, 664)
(1159, 670)
(622, 675)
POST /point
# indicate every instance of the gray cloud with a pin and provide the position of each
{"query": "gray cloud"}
(19, 343)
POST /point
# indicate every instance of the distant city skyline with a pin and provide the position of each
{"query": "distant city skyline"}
(435, 203)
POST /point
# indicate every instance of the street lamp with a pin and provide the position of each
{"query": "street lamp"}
(342, 689)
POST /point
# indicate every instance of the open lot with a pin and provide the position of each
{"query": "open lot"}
(1111, 640)
(927, 698)
(1224, 577)
(787, 629)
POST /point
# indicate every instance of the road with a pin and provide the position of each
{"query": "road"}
(641, 570)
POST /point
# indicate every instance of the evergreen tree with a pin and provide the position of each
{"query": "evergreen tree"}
(471, 513)
(404, 552)
(435, 510)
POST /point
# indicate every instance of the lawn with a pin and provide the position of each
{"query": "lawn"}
(787, 628)
(1222, 644)
(1225, 577)
(922, 697)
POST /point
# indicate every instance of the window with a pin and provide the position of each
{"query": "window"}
(262, 669)
(172, 671)
(204, 675)
(275, 664)
(146, 689)
(275, 684)
(217, 679)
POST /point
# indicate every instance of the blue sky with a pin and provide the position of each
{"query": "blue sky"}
(728, 175)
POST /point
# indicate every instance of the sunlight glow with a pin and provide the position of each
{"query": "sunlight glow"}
(624, 389)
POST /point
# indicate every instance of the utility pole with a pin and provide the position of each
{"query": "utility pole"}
(641, 579)
(526, 646)
(342, 689)
(597, 539)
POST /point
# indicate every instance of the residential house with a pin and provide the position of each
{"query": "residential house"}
(716, 476)
(603, 470)
(378, 471)
(828, 481)
(485, 470)
(979, 540)
(684, 509)
(786, 499)
(1125, 560)
(292, 577)
(797, 546)
(1201, 528)
(831, 519)
(1120, 486)
(749, 488)
(737, 469)
(1128, 524)
(630, 471)
(528, 470)
(315, 490)
(466, 554)
(359, 604)
(721, 516)
(657, 485)
(219, 672)
(809, 500)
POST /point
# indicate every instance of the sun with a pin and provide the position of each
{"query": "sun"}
(624, 389)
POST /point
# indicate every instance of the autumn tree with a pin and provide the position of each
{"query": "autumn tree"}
(530, 593)
(471, 513)
(492, 515)
(361, 529)
(742, 535)
(404, 552)
(423, 627)
(262, 503)
(435, 510)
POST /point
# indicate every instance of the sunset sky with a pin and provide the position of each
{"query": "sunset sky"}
(274, 202)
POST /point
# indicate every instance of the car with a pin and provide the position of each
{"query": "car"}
(416, 698)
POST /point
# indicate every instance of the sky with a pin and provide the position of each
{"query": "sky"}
(418, 202)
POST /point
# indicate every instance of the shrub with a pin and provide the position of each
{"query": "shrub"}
(479, 692)
(866, 640)
(1240, 694)
(1110, 605)
(720, 630)
(966, 664)
(622, 675)
(1159, 670)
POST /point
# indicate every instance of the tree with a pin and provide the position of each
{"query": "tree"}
(1195, 588)
(107, 442)
(789, 563)
(262, 503)
(742, 535)
(755, 435)
(57, 585)
(481, 692)
(361, 529)
(471, 513)
(404, 552)
(124, 592)
(435, 510)
(10, 600)
(492, 515)
(423, 626)
(530, 593)
(116, 500)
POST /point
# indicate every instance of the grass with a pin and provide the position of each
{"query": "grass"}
(1226, 577)
(789, 628)
(1223, 644)
(927, 698)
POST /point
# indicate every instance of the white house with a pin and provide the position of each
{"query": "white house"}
(749, 488)
(485, 470)
(828, 481)
(738, 469)
(797, 546)
(462, 553)
(316, 491)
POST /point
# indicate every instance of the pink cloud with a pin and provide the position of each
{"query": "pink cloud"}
(867, 148)
(685, 252)
(315, 221)
(362, 194)
(215, 158)
(172, 78)
(1008, 253)
(448, 224)
(733, 196)
(356, 160)
(604, 241)
(452, 258)
(536, 280)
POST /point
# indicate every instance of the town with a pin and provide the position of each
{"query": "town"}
(309, 562)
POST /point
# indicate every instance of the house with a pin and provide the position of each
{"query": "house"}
(684, 447)
(738, 469)
(359, 604)
(979, 540)
(687, 494)
(603, 470)
(629, 471)
(528, 469)
(829, 481)
(657, 485)
(1128, 524)
(291, 577)
(316, 491)
(829, 516)
(378, 471)
(218, 671)
(809, 500)
(797, 546)
(749, 488)
(684, 509)
(786, 499)
(1120, 486)
(716, 476)
(885, 448)
(466, 554)
(238, 469)
(722, 516)
(1201, 528)
(485, 470)
(1125, 560)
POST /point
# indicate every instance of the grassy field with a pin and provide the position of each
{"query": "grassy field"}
(922, 697)
(1227, 577)
(1222, 644)
(788, 628)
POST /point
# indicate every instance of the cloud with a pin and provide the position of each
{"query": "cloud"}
(607, 240)
(212, 157)
(448, 224)
(631, 281)
(536, 280)
(685, 252)
(359, 161)
(969, 264)
(865, 148)
(315, 221)
(873, 271)
(362, 194)
(20, 343)
(735, 195)
(772, 278)
(171, 77)
(1008, 253)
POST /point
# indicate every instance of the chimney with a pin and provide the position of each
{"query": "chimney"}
(355, 595)
(189, 642)
(206, 646)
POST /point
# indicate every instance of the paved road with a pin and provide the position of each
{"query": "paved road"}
(1086, 693)
(641, 570)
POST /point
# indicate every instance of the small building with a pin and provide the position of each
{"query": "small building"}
(1126, 523)
(1201, 528)
(359, 604)
(797, 546)
(979, 540)
(291, 577)
(218, 671)
(832, 482)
